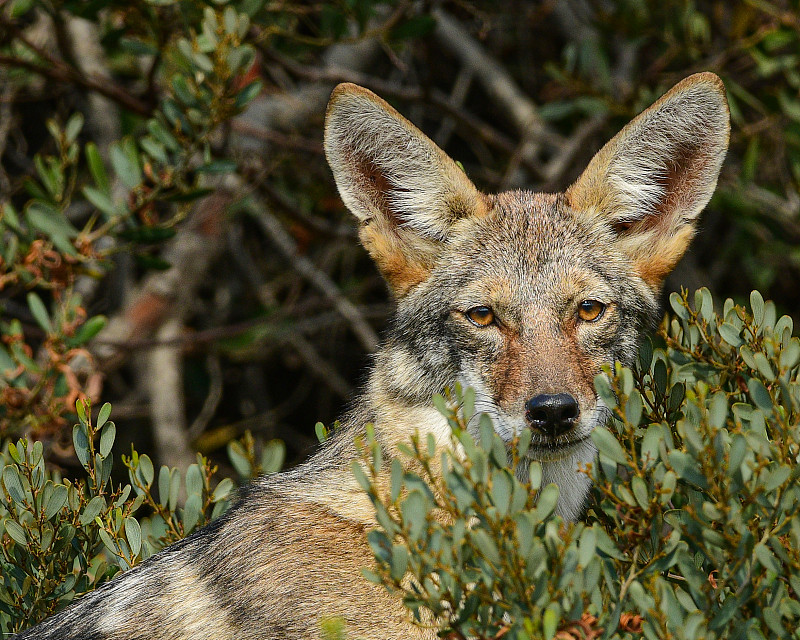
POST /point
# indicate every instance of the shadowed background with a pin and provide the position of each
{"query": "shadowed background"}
(235, 293)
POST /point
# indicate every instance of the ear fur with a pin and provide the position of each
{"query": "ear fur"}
(404, 189)
(652, 180)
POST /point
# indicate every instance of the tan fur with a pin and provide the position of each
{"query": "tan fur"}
(289, 554)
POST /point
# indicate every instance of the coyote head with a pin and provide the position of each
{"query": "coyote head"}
(523, 296)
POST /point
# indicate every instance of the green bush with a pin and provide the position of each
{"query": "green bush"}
(61, 538)
(693, 530)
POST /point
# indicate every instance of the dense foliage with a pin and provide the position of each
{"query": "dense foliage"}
(162, 184)
(171, 241)
(694, 529)
(62, 538)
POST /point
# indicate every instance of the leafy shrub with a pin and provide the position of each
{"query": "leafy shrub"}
(694, 527)
(62, 538)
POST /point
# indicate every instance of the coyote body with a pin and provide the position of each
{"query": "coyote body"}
(521, 296)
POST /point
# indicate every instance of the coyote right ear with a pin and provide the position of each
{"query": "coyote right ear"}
(652, 180)
(405, 191)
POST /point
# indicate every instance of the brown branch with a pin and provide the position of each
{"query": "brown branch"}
(281, 139)
(274, 230)
(435, 97)
(60, 71)
(161, 374)
(497, 82)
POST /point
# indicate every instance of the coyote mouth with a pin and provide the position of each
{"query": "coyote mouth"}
(550, 450)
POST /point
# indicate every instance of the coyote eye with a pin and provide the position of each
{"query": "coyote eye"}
(590, 310)
(480, 316)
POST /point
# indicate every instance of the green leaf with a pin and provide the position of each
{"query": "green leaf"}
(133, 533)
(550, 620)
(546, 504)
(718, 411)
(760, 395)
(102, 416)
(107, 437)
(56, 501)
(154, 149)
(146, 469)
(73, 127)
(639, 488)
(501, 491)
(757, 306)
(236, 455)
(15, 532)
(676, 302)
(608, 445)
(50, 221)
(222, 490)
(13, 484)
(192, 511)
(174, 488)
(87, 331)
(587, 547)
(81, 442)
(766, 558)
(101, 201)
(633, 408)
(97, 168)
(535, 475)
(685, 465)
(92, 510)
(790, 356)
(108, 541)
(218, 166)
(194, 480)
(125, 161)
(247, 94)
(414, 510)
(272, 456)
(730, 334)
(763, 366)
(39, 312)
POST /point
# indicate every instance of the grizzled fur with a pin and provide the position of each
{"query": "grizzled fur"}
(290, 552)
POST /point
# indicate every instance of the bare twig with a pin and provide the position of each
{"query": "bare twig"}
(59, 70)
(162, 374)
(315, 222)
(312, 358)
(497, 82)
(561, 161)
(438, 99)
(212, 400)
(274, 230)
(457, 96)
(190, 253)
(240, 126)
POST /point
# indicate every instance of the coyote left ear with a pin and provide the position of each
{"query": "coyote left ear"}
(405, 191)
(652, 180)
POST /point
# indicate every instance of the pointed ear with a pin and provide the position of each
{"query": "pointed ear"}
(405, 191)
(652, 180)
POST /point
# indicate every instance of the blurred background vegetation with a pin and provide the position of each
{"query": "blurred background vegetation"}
(171, 239)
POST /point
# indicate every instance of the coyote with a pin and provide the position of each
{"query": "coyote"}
(522, 296)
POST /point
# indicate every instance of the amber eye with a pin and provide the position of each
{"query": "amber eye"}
(480, 316)
(590, 310)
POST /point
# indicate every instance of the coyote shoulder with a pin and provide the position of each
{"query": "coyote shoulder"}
(522, 296)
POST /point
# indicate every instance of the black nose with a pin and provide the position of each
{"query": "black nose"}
(552, 414)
